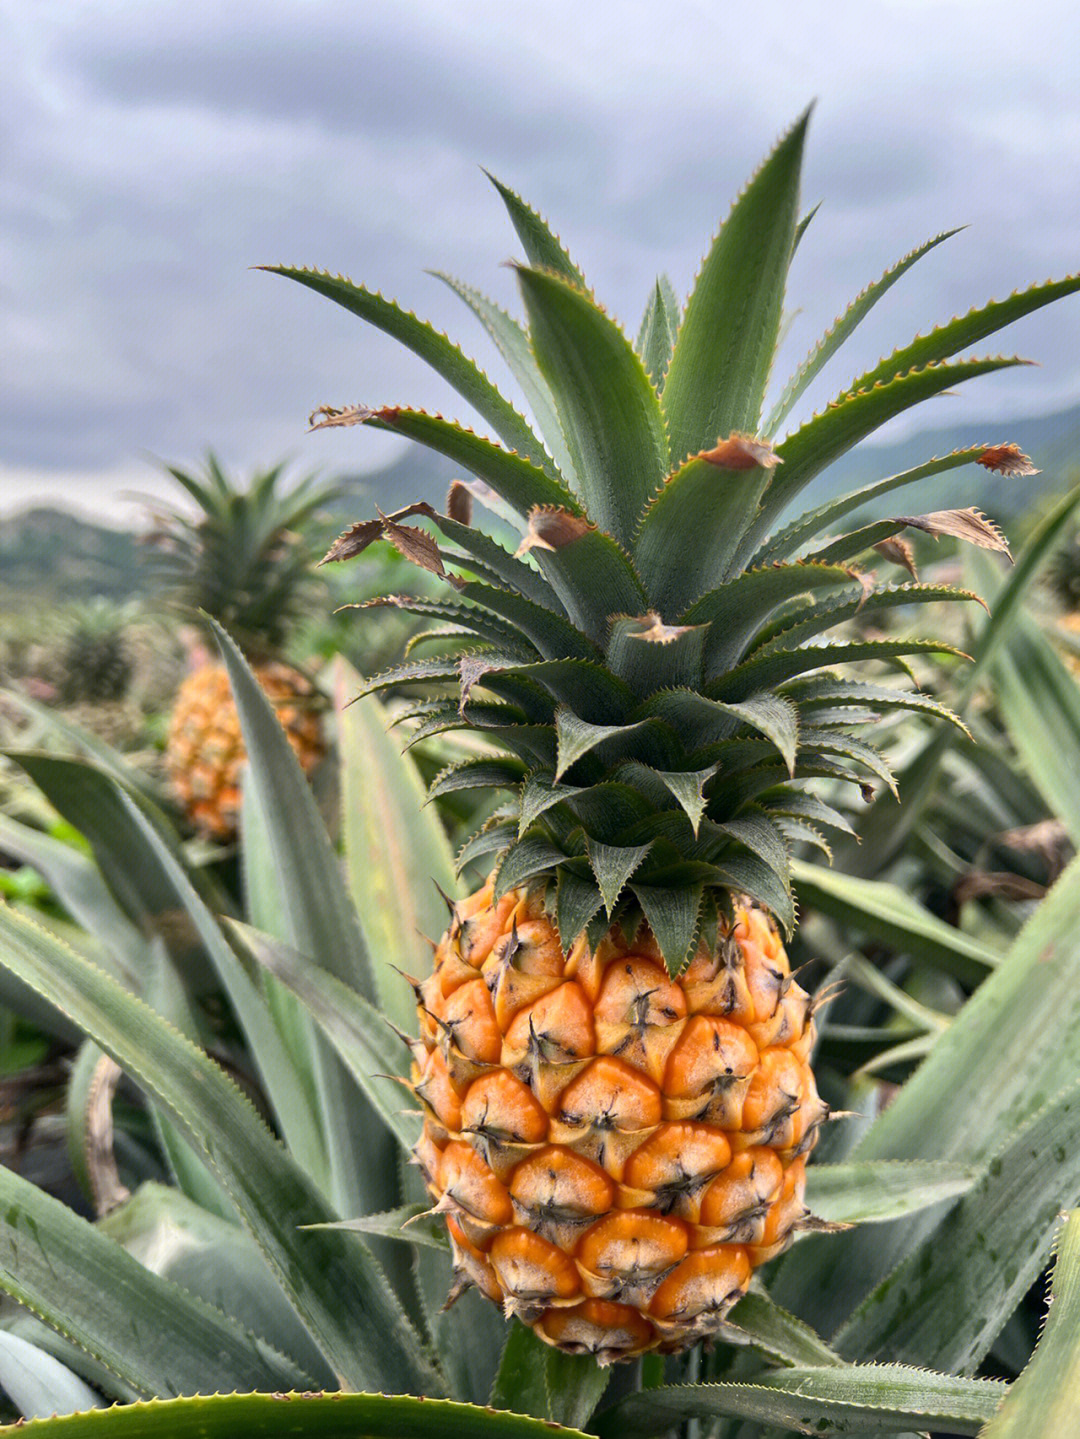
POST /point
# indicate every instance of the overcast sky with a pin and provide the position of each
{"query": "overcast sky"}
(152, 152)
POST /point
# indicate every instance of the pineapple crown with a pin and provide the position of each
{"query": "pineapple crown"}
(243, 558)
(655, 664)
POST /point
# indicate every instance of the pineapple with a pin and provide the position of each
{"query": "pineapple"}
(614, 1057)
(242, 562)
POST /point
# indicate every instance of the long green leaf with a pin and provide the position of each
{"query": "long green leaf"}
(818, 521)
(950, 1297)
(865, 1399)
(535, 1379)
(513, 344)
(955, 335)
(293, 1416)
(156, 1338)
(218, 1261)
(609, 411)
(844, 325)
(1012, 1046)
(1045, 1400)
(316, 917)
(1040, 704)
(543, 247)
(37, 1383)
(514, 479)
(852, 417)
(720, 366)
(284, 1087)
(356, 1029)
(82, 891)
(106, 813)
(872, 1192)
(778, 1333)
(334, 1285)
(445, 358)
(397, 856)
(889, 914)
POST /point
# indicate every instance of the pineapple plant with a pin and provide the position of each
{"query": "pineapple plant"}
(229, 1298)
(242, 560)
(614, 1056)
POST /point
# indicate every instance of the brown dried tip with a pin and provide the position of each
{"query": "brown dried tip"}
(332, 418)
(1006, 460)
(459, 503)
(472, 670)
(357, 538)
(658, 632)
(742, 452)
(898, 551)
(551, 528)
(967, 525)
(353, 541)
(415, 545)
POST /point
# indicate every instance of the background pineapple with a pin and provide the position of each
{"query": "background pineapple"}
(614, 1055)
(243, 560)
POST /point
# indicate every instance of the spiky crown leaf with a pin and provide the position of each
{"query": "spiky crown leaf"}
(657, 659)
(243, 557)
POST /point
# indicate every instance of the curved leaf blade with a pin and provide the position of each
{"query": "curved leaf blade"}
(292, 1416)
(864, 1399)
(839, 331)
(609, 411)
(720, 365)
(153, 1336)
(1046, 1397)
(444, 357)
(335, 1286)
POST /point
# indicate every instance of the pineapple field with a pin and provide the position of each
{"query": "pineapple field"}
(596, 956)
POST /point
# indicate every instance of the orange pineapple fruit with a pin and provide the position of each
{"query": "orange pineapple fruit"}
(616, 1150)
(614, 1058)
(204, 749)
(241, 560)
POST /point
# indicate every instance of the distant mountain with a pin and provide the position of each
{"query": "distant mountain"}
(59, 557)
(1052, 441)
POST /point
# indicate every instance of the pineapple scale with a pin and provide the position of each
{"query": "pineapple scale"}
(615, 1151)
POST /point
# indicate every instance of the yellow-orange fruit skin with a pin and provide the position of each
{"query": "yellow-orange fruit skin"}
(615, 1151)
(204, 750)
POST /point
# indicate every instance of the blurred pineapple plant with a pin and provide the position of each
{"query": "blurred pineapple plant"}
(613, 1062)
(242, 559)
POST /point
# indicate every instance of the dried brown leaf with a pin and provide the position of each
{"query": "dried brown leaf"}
(459, 503)
(356, 539)
(898, 551)
(999, 884)
(472, 669)
(1006, 460)
(656, 631)
(552, 528)
(353, 541)
(331, 417)
(969, 525)
(742, 452)
(415, 545)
